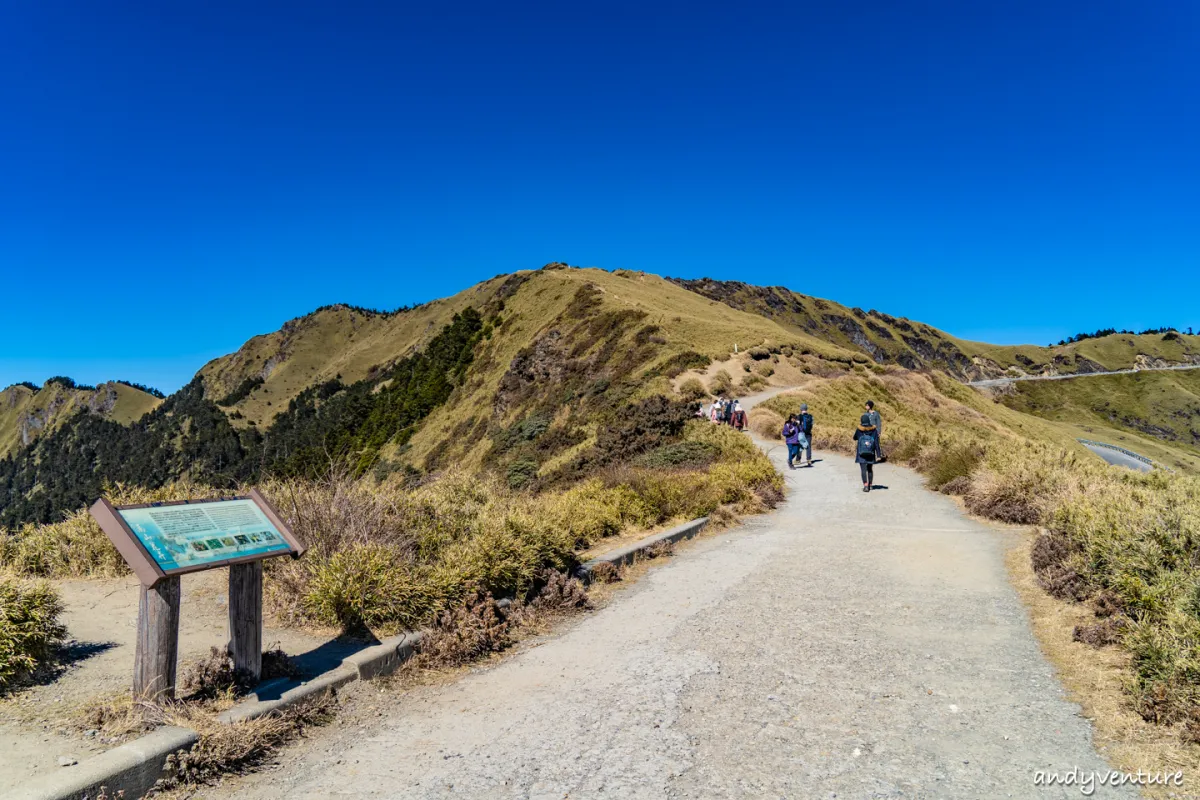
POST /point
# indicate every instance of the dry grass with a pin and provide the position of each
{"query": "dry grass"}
(30, 630)
(76, 547)
(1097, 680)
(224, 749)
(396, 556)
(766, 423)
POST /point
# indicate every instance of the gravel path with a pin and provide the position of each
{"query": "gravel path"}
(847, 645)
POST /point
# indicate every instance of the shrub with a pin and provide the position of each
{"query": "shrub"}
(521, 473)
(692, 389)
(721, 383)
(368, 584)
(680, 454)
(954, 463)
(767, 424)
(29, 629)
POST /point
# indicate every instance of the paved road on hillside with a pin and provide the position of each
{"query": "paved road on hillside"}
(1003, 381)
(1117, 458)
(847, 645)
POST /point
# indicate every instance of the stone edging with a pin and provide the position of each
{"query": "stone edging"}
(136, 766)
(627, 554)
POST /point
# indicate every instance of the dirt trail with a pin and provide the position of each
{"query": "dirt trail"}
(101, 620)
(846, 645)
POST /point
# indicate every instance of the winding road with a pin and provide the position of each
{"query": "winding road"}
(845, 645)
(1014, 379)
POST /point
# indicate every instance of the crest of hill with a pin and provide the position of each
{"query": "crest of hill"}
(577, 342)
(255, 383)
(27, 413)
(342, 342)
(915, 345)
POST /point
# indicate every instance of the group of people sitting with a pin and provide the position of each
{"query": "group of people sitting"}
(797, 433)
(728, 412)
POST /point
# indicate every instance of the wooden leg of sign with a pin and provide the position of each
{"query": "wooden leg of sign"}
(245, 617)
(157, 642)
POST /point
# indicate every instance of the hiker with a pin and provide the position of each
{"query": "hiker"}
(791, 437)
(714, 411)
(866, 450)
(726, 411)
(878, 423)
(805, 420)
(738, 417)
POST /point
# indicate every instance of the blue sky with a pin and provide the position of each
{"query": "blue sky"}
(177, 177)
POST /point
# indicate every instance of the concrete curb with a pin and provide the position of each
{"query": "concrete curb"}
(136, 766)
(627, 554)
(133, 767)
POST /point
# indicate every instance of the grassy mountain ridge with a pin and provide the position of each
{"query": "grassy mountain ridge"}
(336, 342)
(915, 345)
(26, 414)
(528, 376)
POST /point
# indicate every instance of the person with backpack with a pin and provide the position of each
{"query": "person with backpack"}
(738, 419)
(791, 437)
(867, 450)
(878, 423)
(805, 421)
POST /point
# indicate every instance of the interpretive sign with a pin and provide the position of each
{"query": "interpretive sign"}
(162, 539)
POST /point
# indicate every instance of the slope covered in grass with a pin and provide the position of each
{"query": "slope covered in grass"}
(28, 412)
(1145, 406)
(915, 345)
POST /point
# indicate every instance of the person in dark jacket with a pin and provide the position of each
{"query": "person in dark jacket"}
(867, 450)
(805, 420)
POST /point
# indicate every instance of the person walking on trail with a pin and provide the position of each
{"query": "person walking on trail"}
(805, 421)
(738, 417)
(714, 411)
(878, 423)
(791, 437)
(867, 450)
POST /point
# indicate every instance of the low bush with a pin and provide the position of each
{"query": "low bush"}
(721, 383)
(693, 390)
(30, 631)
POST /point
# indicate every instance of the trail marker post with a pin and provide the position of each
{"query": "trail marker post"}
(161, 541)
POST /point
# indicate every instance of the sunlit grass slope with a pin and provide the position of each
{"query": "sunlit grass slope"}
(26, 414)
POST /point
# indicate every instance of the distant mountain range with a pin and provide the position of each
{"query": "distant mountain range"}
(520, 368)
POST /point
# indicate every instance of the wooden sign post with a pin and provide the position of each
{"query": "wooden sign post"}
(161, 541)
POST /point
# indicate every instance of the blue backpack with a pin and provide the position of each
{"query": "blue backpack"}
(866, 445)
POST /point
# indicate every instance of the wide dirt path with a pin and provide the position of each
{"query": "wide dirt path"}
(847, 645)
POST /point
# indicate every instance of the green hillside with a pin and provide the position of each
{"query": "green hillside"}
(915, 345)
(1156, 414)
(27, 413)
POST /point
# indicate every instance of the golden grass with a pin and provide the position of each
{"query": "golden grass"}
(1096, 679)
(29, 628)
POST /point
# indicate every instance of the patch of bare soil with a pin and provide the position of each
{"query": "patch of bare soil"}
(38, 727)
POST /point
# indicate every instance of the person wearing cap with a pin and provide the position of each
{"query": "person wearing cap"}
(878, 424)
(805, 421)
(866, 450)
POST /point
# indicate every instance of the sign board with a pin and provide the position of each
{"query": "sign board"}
(160, 540)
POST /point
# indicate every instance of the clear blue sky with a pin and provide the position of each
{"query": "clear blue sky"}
(177, 177)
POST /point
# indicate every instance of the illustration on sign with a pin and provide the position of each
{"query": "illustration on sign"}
(186, 536)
